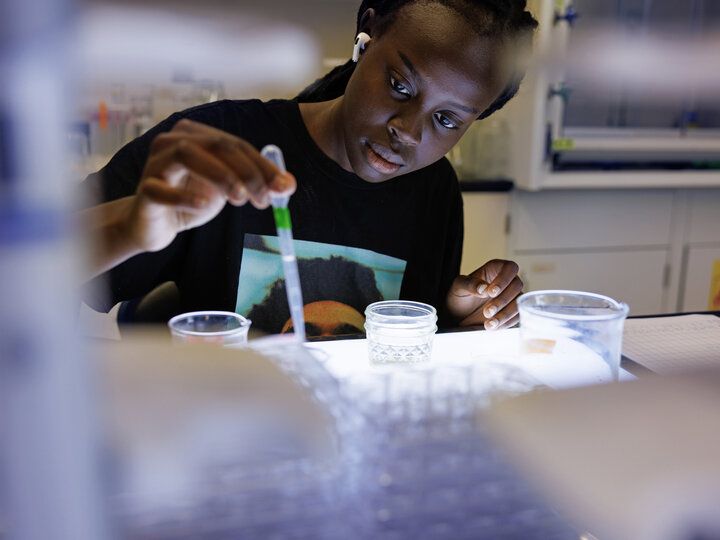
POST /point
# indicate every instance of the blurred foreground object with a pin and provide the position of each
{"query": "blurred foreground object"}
(48, 455)
(620, 95)
(205, 440)
(633, 460)
(663, 67)
(663, 48)
(128, 44)
(137, 64)
(271, 442)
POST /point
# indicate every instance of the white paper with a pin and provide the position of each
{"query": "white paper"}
(349, 357)
(673, 344)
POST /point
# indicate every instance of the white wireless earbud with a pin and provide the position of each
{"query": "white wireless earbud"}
(360, 42)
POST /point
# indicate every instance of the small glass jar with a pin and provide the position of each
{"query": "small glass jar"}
(220, 327)
(400, 331)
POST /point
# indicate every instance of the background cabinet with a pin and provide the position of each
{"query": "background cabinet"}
(699, 262)
(617, 243)
(653, 249)
(700, 248)
(637, 278)
(485, 236)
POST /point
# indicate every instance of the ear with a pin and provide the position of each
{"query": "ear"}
(366, 22)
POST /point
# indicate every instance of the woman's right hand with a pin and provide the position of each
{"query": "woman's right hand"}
(191, 172)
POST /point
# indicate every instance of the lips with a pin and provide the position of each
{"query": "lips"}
(382, 159)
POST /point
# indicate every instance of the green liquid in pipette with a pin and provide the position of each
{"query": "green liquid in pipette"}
(284, 229)
(282, 217)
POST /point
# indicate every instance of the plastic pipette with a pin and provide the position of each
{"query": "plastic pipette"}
(284, 231)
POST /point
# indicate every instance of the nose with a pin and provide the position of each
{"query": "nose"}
(406, 127)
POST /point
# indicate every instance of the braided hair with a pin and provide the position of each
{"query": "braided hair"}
(505, 19)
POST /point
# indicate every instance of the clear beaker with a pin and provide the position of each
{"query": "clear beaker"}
(574, 330)
(220, 327)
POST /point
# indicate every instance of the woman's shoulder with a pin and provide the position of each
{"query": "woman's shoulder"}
(226, 113)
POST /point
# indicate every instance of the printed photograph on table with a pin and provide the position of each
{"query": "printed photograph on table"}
(337, 283)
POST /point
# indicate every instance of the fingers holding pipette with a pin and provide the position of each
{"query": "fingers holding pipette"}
(254, 179)
(191, 173)
(176, 159)
(237, 180)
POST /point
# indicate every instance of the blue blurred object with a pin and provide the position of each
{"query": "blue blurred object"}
(48, 454)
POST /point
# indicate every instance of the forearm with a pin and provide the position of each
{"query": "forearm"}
(107, 236)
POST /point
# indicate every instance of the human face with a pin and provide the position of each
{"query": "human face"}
(416, 89)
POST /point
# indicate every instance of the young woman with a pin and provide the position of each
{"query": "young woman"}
(364, 148)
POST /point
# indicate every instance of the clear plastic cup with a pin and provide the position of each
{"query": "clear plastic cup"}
(219, 327)
(574, 330)
(400, 331)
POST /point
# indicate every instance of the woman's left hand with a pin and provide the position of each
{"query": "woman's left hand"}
(487, 297)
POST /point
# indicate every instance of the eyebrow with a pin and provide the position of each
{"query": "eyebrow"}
(417, 75)
(409, 65)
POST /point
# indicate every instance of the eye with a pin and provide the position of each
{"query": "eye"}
(445, 122)
(399, 87)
